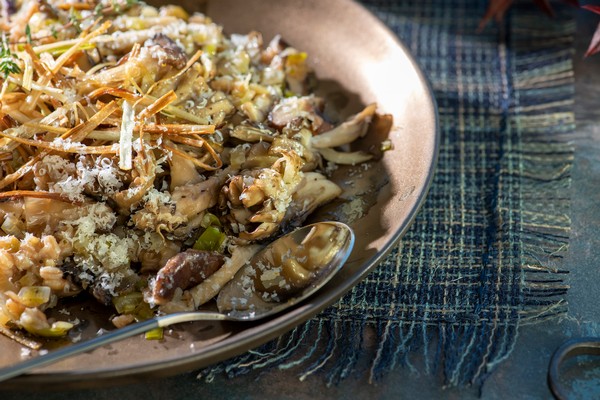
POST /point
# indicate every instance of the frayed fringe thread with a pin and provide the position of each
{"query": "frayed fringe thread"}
(332, 350)
(314, 345)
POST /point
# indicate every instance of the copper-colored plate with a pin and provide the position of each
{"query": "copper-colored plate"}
(354, 54)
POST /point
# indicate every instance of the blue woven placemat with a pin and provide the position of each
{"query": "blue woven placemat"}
(480, 259)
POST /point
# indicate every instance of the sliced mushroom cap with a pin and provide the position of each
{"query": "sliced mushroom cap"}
(314, 191)
(183, 271)
(167, 51)
(252, 134)
(191, 200)
(183, 172)
(355, 127)
(294, 108)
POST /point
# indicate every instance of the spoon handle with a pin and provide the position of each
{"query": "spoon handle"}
(107, 338)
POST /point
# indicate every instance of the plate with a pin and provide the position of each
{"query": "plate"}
(352, 70)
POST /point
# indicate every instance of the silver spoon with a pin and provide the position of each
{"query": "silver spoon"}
(284, 273)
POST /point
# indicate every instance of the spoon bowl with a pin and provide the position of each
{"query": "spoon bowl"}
(282, 274)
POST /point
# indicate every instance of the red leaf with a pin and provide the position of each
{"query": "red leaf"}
(595, 9)
(545, 6)
(496, 9)
(572, 2)
(595, 44)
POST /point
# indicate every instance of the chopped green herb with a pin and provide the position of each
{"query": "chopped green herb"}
(98, 9)
(75, 20)
(28, 33)
(8, 64)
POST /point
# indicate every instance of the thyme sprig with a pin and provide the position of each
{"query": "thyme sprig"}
(8, 60)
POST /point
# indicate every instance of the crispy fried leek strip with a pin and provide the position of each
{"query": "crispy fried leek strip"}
(200, 143)
(77, 133)
(157, 106)
(38, 66)
(55, 46)
(188, 65)
(146, 100)
(30, 128)
(44, 80)
(179, 129)
(145, 167)
(65, 147)
(81, 131)
(196, 161)
(38, 194)
(114, 135)
(27, 71)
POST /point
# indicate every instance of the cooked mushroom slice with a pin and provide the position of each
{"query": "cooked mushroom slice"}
(275, 47)
(252, 134)
(314, 191)
(156, 255)
(166, 51)
(265, 193)
(257, 109)
(346, 158)
(191, 200)
(157, 59)
(208, 289)
(355, 127)
(183, 172)
(298, 108)
(181, 212)
(145, 169)
(183, 271)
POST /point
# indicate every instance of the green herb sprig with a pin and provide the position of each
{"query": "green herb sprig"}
(8, 60)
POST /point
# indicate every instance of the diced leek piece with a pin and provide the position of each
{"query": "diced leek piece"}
(296, 63)
(29, 279)
(210, 240)
(386, 145)
(174, 11)
(210, 49)
(296, 58)
(210, 219)
(34, 296)
(155, 334)
(127, 303)
(58, 329)
(143, 312)
(141, 284)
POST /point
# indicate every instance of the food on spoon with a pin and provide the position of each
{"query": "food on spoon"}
(145, 156)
